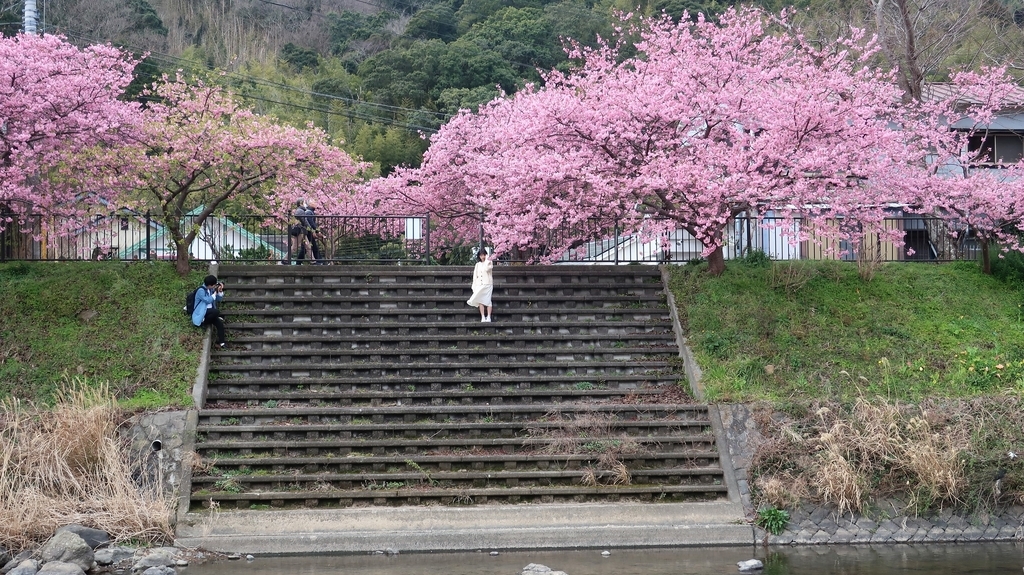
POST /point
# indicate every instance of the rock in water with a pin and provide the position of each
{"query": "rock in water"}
(158, 557)
(538, 569)
(750, 565)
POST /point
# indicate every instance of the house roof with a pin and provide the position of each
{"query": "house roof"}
(236, 229)
(934, 91)
(1011, 119)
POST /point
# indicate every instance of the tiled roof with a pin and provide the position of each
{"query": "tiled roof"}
(934, 91)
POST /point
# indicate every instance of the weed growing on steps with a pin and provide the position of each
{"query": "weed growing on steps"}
(418, 468)
(591, 434)
(67, 465)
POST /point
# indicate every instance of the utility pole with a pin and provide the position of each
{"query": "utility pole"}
(30, 16)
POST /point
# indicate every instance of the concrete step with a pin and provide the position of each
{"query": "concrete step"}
(396, 386)
(331, 351)
(465, 340)
(702, 455)
(441, 291)
(333, 448)
(476, 427)
(423, 390)
(459, 313)
(462, 479)
(228, 395)
(327, 301)
(454, 369)
(388, 495)
(533, 274)
(461, 527)
(317, 415)
(412, 330)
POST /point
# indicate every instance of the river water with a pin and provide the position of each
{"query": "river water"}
(932, 559)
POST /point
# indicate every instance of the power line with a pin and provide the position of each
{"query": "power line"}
(257, 80)
(168, 59)
(437, 35)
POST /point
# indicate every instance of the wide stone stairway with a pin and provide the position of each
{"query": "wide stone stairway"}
(348, 387)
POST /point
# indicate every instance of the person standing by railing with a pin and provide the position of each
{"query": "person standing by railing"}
(308, 221)
(297, 234)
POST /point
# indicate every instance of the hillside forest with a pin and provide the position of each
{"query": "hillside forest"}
(380, 76)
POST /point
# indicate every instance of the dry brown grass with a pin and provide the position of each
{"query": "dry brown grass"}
(67, 465)
(781, 491)
(876, 448)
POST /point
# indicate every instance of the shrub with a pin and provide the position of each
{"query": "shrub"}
(772, 520)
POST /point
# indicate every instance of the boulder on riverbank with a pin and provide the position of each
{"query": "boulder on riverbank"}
(68, 553)
(67, 547)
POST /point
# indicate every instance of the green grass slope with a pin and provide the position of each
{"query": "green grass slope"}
(103, 321)
(785, 331)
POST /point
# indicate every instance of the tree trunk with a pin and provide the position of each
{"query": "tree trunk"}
(716, 262)
(986, 258)
(181, 263)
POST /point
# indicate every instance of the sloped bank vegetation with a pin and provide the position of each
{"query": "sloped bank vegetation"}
(82, 346)
(900, 395)
(118, 323)
(67, 465)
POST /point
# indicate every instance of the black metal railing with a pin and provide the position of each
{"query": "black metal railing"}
(127, 235)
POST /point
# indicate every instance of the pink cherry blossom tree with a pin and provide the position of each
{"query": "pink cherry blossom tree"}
(55, 99)
(964, 184)
(198, 148)
(708, 120)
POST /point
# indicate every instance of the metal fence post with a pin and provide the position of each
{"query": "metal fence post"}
(481, 212)
(616, 241)
(149, 249)
(426, 237)
(750, 246)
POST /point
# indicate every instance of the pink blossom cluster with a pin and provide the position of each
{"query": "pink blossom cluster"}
(55, 100)
(694, 124)
(70, 147)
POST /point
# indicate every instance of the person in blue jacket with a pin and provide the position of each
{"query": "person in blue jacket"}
(206, 312)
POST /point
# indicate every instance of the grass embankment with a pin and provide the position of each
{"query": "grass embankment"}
(906, 388)
(67, 465)
(802, 330)
(111, 322)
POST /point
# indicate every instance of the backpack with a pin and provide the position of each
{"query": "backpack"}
(190, 302)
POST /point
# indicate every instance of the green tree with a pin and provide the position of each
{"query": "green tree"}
(406, 76)
(299, 58)
(467, 65)
(452, 100)
(388, 148)
(437, 21)
(522, 36)
(574, 19)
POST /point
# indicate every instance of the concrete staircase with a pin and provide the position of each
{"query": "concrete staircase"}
(364, 387)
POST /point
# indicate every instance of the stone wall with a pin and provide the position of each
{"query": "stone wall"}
(159, 444)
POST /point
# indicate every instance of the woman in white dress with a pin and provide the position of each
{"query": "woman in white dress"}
(483, 285)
